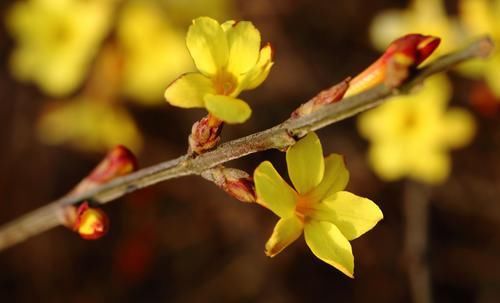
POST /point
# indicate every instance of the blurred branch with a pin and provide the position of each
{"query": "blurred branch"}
(279, 137)
(416, 215)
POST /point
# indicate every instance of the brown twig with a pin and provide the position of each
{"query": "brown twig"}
(416, 215)
(279, 137)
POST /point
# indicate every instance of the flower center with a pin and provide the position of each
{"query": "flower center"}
(225, 83)
(61, 32)
(410, 121)
(304, 207)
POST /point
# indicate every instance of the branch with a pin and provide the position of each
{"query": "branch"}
(416, 216)
(280, 136)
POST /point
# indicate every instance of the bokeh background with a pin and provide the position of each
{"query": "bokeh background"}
(65, 101)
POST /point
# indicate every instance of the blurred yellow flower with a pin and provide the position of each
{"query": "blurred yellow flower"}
(411, 135)
(186, 10)
(88, 125)
(329, 216)
(56, 40)
(230, 60)
(482, 17)
(155, 52)
(423, 16)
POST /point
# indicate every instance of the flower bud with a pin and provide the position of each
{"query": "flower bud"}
(235, 182)
(91, 223)
(395, 65)
(327, 96)
(205, 134)
(118, 162)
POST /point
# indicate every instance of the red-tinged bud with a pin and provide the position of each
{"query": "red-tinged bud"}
(414, 46)
(235, 182)
(242, 189)
(394, 66)
(205, 134)
(118, 162)
(327, 96)
(426, 47)
(91, 223)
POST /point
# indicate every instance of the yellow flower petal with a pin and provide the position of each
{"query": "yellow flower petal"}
(328, 244)
(159, 58)
(496, 8)
(273, 192)
(260, 71)
(459, 127)
(227, 25)
(182, 11)
(286, 231)
(305, 163)
(188, 90)
(387, 120)
(244, 44)
(410, 135)
(353, 215)
(388, 160)
(432, 167)
(422, 16)
(437, 88)
(387, 26)
(56, 41)
(227, 109)
(208, 45)
(335, 178)
(477, 16)
(89, 125)
(474, 68)
(492, 74)
(61, 78)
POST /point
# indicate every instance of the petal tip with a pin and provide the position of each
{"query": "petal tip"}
(271, 50)
(168, 90)
(270, 254)
(345, 271)
(228, 109)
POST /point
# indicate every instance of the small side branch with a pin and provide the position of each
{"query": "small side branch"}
(279, 137)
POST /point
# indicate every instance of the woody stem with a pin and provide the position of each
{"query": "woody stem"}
(416, 215)
(280, 136)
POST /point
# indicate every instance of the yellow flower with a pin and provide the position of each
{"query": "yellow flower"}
(482, 17)
(229, 60)
(185, 11)
(155, 52)
(89, 125)
(411, 135)
(423, 16)
(56, 40)
(319, 206)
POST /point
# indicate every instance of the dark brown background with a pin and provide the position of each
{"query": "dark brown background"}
(186, 241)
